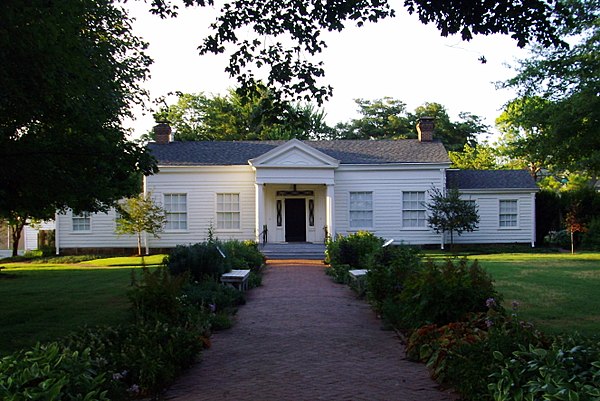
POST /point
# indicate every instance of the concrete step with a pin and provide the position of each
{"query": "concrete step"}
(293, 251)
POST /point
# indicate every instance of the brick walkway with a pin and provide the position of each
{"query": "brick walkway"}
(303, 337)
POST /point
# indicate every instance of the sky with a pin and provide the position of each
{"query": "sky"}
(398, 57)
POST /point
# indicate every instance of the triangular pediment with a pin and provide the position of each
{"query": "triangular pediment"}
(296, 154)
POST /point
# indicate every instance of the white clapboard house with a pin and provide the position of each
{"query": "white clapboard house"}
(303, 191)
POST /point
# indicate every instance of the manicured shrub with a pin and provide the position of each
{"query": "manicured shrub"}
(243, 255)
(387, 273)
(52, 372)
(203, 261)
(355, 250)
(442, 293)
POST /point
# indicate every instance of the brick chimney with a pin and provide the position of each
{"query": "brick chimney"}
(425, 128)
(162, 132)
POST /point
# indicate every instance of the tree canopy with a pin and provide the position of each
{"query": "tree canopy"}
(260, 116)
(555, 121)
(447, 212)
(388, 118)
(284, 36)
(69, 71)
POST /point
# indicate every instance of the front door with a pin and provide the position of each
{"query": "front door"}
(295, 220)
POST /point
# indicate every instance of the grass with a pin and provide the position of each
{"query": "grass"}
(42, 302)
(557, 292)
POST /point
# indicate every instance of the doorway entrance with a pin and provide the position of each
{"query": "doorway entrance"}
(295, 220)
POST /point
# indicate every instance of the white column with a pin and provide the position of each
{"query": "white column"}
(330, 210)
(259, 210)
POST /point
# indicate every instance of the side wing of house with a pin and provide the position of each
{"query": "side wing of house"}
(505, 200)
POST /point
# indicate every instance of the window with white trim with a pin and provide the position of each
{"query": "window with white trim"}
(361, 209)
(175, 206)
(508, 213)
(228, 211)
(82, 222)
(413, 209)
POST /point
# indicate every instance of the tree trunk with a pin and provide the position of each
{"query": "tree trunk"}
(572, 243)
(16, 229)
(139, 240)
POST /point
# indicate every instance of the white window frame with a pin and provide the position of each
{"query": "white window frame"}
(510, 213)
(78, 222)
(180, 224)
(228, 211)
(359, 208)
(420, 210)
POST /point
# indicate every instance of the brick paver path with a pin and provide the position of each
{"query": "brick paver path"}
(303, 337)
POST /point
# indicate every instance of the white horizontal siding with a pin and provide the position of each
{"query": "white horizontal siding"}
(101, 235)
(201, 186)
(387, 187)
(489, 230)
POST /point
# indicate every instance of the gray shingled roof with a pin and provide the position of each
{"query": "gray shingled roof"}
(489, 179)
(346, 151)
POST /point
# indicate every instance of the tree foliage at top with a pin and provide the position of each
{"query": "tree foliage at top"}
(260, 116)
(287, 34)
(69, 71)
(447, 212)
(477, 157)
(555, 122)
(138, 215)
(388, 118)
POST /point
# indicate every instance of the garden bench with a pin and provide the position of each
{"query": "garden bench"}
(237, 279)
(357, 277)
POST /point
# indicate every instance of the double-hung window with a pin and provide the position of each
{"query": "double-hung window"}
(82, 222)
(508, 213)
(228, 211)
(361, 209)
(175, 206)
(413, 209)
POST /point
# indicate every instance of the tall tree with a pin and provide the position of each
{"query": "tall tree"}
(283, 36)
(69, 71)
(558, 91)
(388, 118)
(236, 117)
(384, 118)
(454, 135)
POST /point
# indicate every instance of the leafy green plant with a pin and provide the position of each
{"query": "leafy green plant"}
(156, 295)
(391, 267)
(243, 255)
(339, 273)
(213, 295)
(568, 370)
(203, 261)
(442, 293)
(52, 372)
(355, 250)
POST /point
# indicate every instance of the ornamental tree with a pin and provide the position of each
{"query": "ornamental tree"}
(140, 215)
(447, 212)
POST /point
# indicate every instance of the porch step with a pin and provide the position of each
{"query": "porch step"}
(293, 251)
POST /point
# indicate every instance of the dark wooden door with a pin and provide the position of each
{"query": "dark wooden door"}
(295, 220)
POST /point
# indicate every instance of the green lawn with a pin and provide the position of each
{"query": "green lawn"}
(41, 302)
(558, 292)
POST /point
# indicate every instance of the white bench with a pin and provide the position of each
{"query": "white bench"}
(236, 279)
(357, 276)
